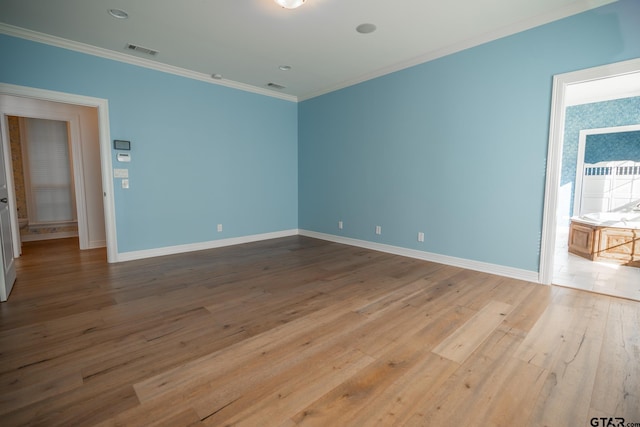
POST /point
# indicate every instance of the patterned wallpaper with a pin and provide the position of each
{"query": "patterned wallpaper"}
(612, 146)
(619, 112)
(16, 161)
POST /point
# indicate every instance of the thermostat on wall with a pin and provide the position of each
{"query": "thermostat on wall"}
(124, 157)
(119, 144)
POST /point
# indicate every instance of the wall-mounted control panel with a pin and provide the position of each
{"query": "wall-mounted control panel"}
(123, 157)
(119, 144)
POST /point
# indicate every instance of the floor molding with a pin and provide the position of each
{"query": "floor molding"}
(212, 244)
(500, 270)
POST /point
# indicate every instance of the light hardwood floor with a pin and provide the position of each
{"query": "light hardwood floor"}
(298, 331)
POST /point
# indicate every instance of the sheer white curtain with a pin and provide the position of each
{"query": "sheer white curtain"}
(49, 183)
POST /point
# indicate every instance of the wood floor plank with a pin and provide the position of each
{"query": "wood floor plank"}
(394, 361)
(528, 311)
(291, 391)
(562, 320)
(79, 406)
(566, 395)
(342, 404)
(209, 367)
(616, 392)
(459, 345)
(411, 393)
(11, 400)
(482, 393)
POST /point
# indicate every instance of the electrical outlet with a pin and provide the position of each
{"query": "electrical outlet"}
(378, 229)
(340, 225)
(420, 236)
(219, 228)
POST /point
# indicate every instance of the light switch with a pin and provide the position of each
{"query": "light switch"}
(121, 173)
(125, 183)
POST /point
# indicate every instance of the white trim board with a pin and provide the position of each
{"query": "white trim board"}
(500, 270)
(38, 37)
(48, 236)
(212, 244)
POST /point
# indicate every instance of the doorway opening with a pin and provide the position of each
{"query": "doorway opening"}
(90, 161)
(601, 90)
(83, 198)
(43, 178)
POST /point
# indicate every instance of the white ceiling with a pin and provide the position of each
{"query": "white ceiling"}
(247, 40)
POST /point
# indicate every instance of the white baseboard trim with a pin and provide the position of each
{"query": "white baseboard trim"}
(212, 244)
(95, 244)
(48, 236)
(500, 270)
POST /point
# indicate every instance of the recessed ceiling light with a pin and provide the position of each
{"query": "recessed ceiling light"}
(366, 28)
(285, 67)
(290, 4)
(217, 76)
(118, 13)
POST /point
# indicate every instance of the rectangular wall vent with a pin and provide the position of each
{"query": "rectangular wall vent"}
(275, 86)
(141, 49)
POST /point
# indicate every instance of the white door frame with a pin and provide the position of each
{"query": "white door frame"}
(554, 153)
(75, 150)
(102, 106)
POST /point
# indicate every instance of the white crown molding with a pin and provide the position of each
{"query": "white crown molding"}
(35, 36)
(500, 270)
(212, 244)
(572, 9)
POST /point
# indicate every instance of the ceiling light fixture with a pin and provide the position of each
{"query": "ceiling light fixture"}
(366, 28)
(290, 4)
(118, 13)
(285, 67)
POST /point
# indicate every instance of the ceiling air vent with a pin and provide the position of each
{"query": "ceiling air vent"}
(141, 49)
(275, 85)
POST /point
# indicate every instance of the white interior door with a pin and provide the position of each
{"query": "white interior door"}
(8, 276)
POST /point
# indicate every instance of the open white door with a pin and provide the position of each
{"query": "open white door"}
(8, 273)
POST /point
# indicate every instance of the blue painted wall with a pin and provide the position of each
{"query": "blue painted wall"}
(619, 112)
(202, 154)
(609, 147)
(455, 147)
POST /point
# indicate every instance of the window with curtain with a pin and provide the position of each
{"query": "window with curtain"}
(48, 166)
